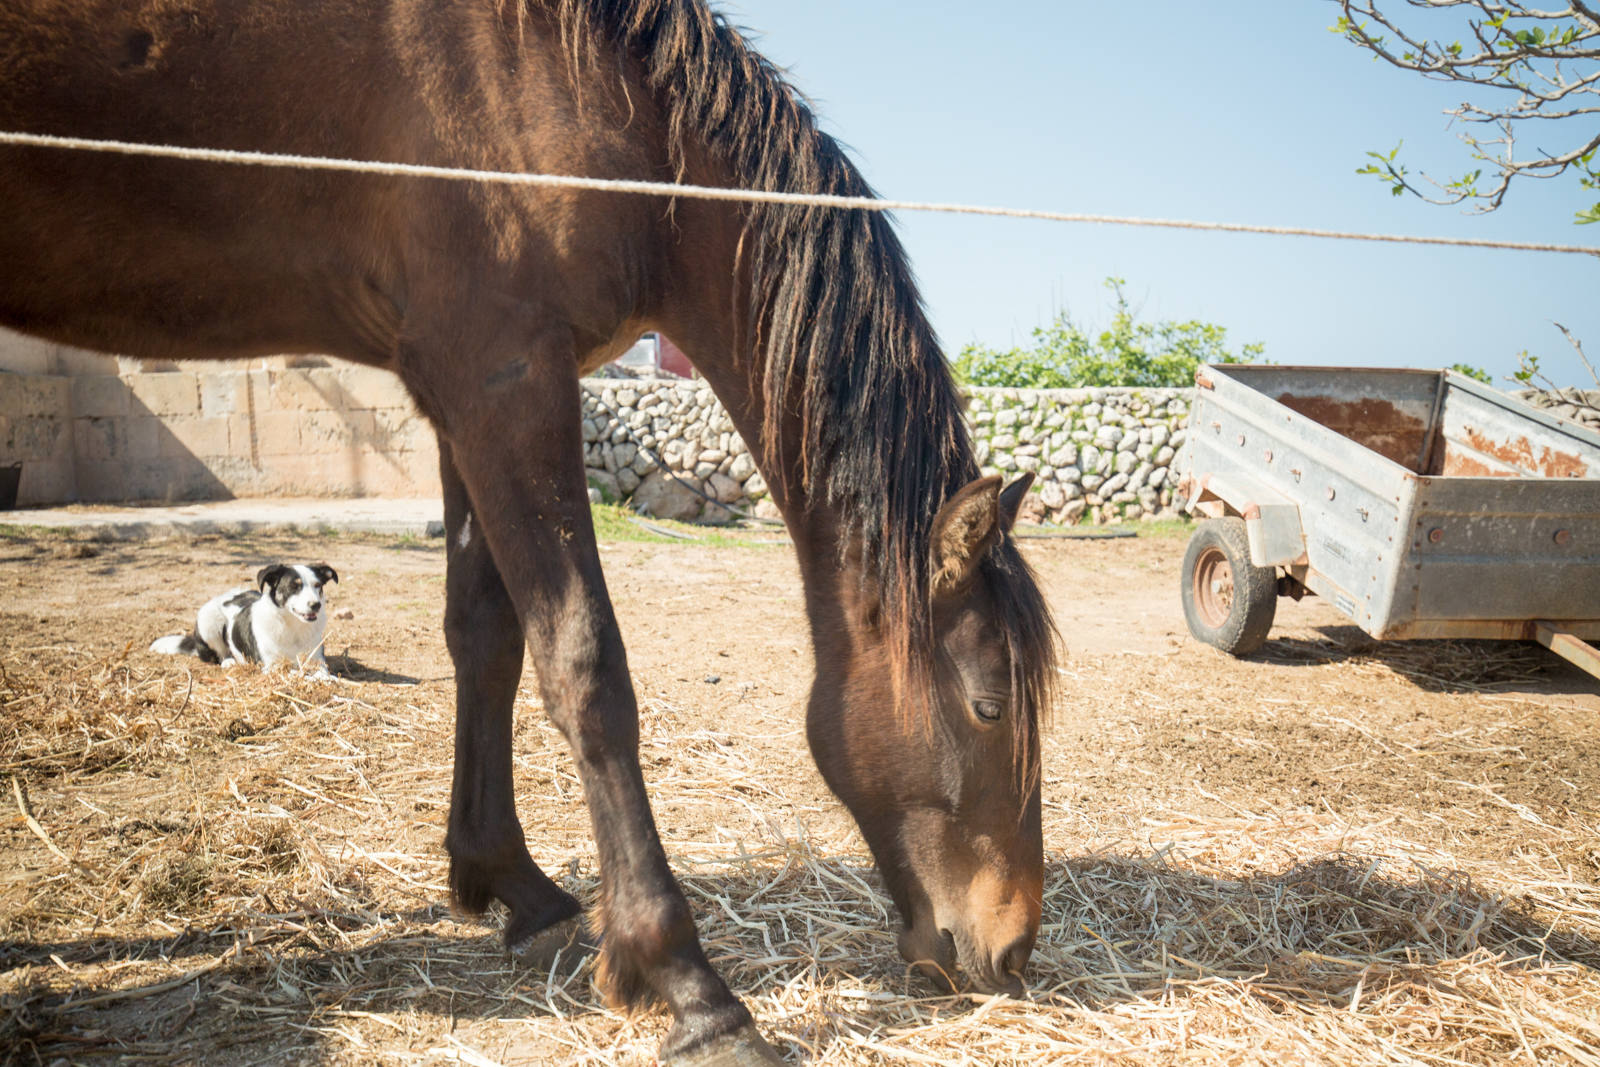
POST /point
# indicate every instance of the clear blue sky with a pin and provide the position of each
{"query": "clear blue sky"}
(1239, 111)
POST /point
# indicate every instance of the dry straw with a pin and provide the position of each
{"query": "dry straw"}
(237, 868)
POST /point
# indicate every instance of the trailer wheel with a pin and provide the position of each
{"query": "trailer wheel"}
(1228, 601)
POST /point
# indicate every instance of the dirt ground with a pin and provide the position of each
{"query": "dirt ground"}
(1331, 851)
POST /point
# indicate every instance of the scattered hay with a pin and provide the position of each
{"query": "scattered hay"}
(253, 873)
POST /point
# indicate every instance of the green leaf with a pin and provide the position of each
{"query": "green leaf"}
(1527, 368)
(1472, 372)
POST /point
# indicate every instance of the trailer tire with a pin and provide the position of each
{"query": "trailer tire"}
(1228, 602)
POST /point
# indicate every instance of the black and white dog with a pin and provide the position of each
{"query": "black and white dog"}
(279, 622)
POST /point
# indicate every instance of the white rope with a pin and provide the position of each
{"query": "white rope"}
(703, 192)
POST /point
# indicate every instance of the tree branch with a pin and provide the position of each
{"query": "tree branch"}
(1542, 56)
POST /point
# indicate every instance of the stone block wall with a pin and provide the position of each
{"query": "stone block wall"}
(214, 433)
(36, 434)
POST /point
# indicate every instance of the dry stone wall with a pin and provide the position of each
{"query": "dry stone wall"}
(1101, 454)
(1105, 454)
(1582, 406)
(634, 427)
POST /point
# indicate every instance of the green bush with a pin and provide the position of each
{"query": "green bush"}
(1065, 355)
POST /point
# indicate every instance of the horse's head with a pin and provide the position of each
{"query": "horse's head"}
(948, 797)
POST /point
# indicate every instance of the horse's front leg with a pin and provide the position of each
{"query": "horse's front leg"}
(489, 857)
(514, 433)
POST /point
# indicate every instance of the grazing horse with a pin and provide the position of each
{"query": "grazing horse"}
(934, 648)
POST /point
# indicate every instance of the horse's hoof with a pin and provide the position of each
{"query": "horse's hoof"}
(562, 947)
(743, 1048)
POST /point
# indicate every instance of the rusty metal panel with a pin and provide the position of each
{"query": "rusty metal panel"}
(1485, 434)
(1386, 411)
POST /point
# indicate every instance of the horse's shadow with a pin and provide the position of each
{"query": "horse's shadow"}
(351, 669)
(1116, 930)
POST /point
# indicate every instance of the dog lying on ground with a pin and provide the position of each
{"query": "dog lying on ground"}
(279, 622)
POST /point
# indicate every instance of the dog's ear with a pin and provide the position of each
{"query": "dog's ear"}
(324, 573)
(269, 575)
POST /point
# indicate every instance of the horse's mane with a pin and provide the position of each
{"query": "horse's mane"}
(835, 311)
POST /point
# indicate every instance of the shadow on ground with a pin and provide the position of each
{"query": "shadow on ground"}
(1121, 933)
(1450, 666)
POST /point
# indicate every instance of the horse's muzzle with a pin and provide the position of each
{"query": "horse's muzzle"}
(955, 963)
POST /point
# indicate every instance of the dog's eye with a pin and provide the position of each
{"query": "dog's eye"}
(987, 710)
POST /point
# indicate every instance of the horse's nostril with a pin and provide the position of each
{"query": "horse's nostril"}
(932, 952)
(1010, 962)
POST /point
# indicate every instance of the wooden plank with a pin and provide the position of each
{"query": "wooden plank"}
(1568, 646)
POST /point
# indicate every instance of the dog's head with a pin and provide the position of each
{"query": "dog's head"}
(297, 588)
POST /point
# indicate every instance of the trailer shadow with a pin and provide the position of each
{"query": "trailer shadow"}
(1435, 666)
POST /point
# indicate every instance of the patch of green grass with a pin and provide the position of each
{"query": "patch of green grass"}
(1170, 530)
(612, 523)
(30, 533)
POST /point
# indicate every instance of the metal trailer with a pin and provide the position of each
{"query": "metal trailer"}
(1421, 504)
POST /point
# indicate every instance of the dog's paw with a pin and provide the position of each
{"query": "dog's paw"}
(229, 662)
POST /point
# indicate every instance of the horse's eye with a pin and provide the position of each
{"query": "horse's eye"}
(987, 710)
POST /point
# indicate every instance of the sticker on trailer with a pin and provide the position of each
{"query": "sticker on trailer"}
(1345, 604)
(1338, 551)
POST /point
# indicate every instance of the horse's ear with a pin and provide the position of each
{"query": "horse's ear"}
(1011, 499)
(963, 531)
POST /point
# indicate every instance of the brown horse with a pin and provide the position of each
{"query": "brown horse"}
(934, 648)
